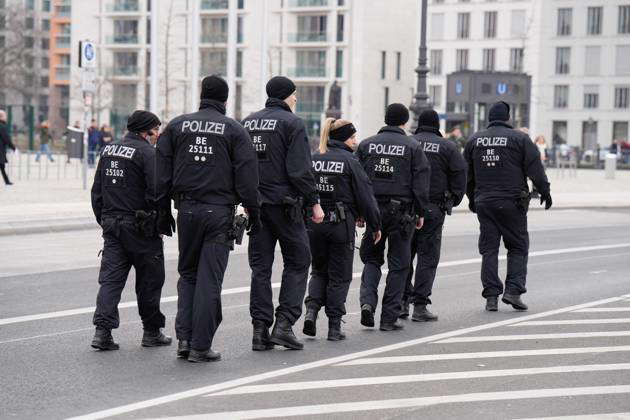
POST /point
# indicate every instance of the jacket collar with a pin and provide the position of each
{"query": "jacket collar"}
(211, 103)
(392, 129)
(279, 103)
(336, 144)
(134, 136)
(499, 124)
(428, 129)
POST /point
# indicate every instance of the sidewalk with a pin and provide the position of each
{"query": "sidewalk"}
(51, 205)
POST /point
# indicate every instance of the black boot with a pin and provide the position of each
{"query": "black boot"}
(334, 330)
(421, 313)
(310, 321)
(282, 335)
(197, 356)
(103, 340)
(155, 338)
(492, 304)
(404, 311)
(367, 315)
(183, 349)
(391, 326)
(515, 301)
(260, 340)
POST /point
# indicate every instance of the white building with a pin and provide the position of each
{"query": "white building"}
(314, 42)
(577, 52)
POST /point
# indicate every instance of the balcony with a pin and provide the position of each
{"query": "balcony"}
(123, 6)
(308, 37)
(122, 39)
(217, 38)
(214, 4)
(308, 3)
(62, 41)
(62, 73)
(124, 71)
(307, 72)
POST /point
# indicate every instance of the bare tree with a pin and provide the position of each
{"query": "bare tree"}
(168, 88)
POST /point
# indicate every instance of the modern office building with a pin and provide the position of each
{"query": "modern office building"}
(59, 64)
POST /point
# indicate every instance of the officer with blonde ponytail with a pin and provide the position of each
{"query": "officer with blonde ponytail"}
(346, 195)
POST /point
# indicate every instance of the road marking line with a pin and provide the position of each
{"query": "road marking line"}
(326, 362)
(552, 336)
(620, 309)
(602, 416)
(483, 355)
(573, 322)
(395, 404)
(90, 309)
(133, 304)
(399, 379)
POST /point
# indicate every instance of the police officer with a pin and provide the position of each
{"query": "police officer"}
(500, 159)
(448, 186)
(124, 203)
(346, 194)
(400, 173)
(207, 164)
(286, 186)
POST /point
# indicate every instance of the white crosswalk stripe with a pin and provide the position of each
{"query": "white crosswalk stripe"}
(616, 309)
(574, 322)
(552, 336)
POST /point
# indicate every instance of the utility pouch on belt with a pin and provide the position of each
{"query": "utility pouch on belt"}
(523, 200)
(447, 203)
(340, 211)
(408, 223)
(146, 223)
(394, 206)
(238, 228)
(293, 208)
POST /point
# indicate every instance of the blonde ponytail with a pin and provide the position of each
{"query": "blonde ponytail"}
(323, 137)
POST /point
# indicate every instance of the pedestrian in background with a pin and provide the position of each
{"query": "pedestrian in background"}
(94, 139)
(5, 143)
(400, 173)
(124, 201)
(287, 186)
(207, 164)
(500, 159)
(45, 139)
(541, 143)
(346, 195)
(458, 138)
(106, 136)
(447, 188)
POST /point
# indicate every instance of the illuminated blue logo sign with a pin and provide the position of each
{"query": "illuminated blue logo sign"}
(459, 88)
(501, 88)
(89, 51)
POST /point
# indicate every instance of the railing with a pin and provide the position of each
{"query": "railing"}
(62, 73)
(124, 71)
(213, 38)
(122, 39)
(214, 4)
(24, 166)
(308, 37)
(124, 6)
(62, 41)
(307, 72)
(308, 3)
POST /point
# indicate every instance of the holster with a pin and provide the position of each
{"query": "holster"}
(523, 200)
(293, 209)
(447, 203)
(340, 211)
(408, 223)
(146, 223)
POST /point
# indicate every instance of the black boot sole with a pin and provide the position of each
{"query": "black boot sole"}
(262, 347)
(281, 342)
(155, 343)
(310, 328)
(423, 319)
(102, 347)
(204, 359)
(336, 338)
(514, 305)
(183, 354)
(367, 318)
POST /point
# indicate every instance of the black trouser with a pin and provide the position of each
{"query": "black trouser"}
(123, 248)
(203, 257)
(427, 243)
(332, 249)
(4, 174)
(276, 227)
(503, 218)
(398, 257)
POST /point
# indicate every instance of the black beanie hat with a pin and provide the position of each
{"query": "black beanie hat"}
(280, 87)
(499, 112)
(142, 121)
(396, 115)
(214, 87)
(429, 118)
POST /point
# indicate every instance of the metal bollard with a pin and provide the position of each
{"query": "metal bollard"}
(610, 166)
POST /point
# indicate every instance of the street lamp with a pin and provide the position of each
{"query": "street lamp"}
(421, 98)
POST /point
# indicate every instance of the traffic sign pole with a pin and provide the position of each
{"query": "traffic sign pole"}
(87, 63)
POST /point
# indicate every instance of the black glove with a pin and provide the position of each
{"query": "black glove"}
(253, 221)
(166, 223)
(546, 198)
(471, 206)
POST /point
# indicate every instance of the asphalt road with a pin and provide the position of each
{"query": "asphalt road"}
(574, 342)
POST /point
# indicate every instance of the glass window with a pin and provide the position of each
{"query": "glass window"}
(461, 60)
(594, 20)
(622, 96)
(620, 131)
(565, 15)
(46, 24)
(45, 5)
(463, 25)
(561, 96)
(589, 135)
(559, 132)
(623, 25)
(214, 30)
(340, 27)
(592, 57)
(239, 63)
(622, 65)
(238, 102)
(490, 24)
(435, 94)
(591, 96)
(310, 63)
(563, 60)
(239, 30)
(339, 64)
(435, 62)
(488, 59)
(386, 96)
(29, 23)
(312, 28)
(214, 62)
(398, 63)
(45, 44)
(518, 27)
(383, 64)
(240, 4)
(516, 59)
(437, 27)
